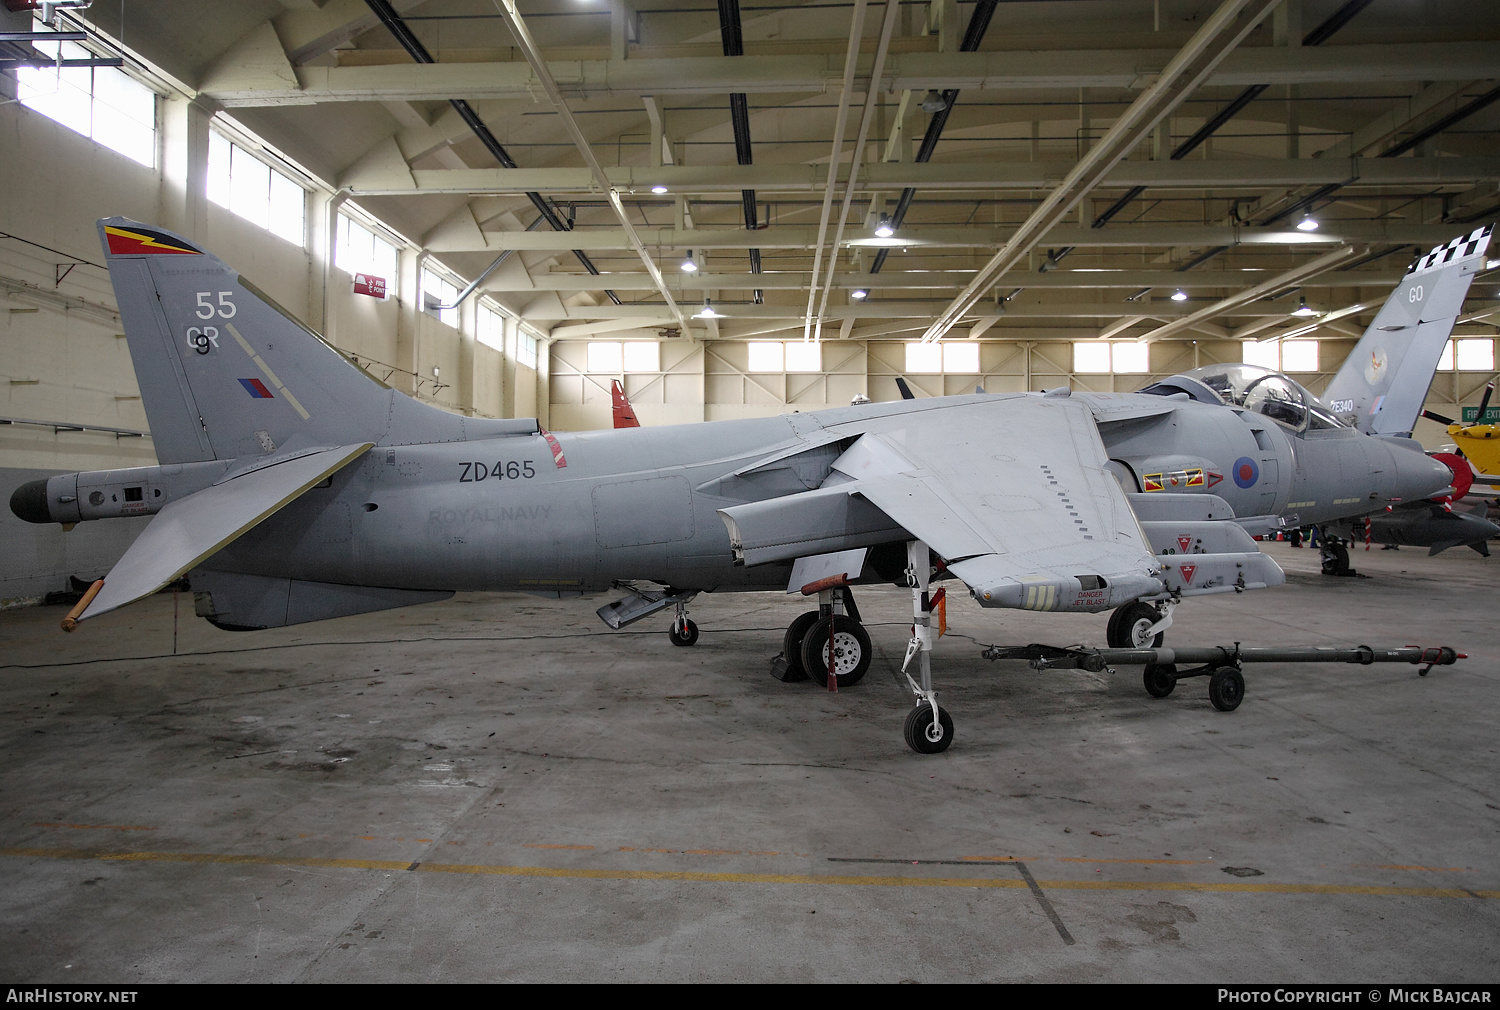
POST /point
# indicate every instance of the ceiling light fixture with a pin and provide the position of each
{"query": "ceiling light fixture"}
(689, 265)
(1308, 223)
(1179, 295)
(884, 229)
(859, 294)
(708, 312)
(658, 189)
(934, 102)
(1303, 310)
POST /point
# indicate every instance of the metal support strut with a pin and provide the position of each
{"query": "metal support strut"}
(928, 728)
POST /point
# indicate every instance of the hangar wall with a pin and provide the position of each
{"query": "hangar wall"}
(712, 381)
(63, 358)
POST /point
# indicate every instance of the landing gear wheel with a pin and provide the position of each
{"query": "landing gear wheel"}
(1226, 688)
(1128, 624)
(1335, 559)
(851, 651)
(687, 636)
(922, 735)
(791, 647)
(1160, 679)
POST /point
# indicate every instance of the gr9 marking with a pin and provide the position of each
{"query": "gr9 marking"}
(203, 339)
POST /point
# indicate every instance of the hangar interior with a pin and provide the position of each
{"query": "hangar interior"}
(814, 199)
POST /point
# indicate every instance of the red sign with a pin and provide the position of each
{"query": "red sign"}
(1187, 573)
(368, 284)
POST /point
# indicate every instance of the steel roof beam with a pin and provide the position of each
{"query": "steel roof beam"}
(1066, 280)
(991, 176)
(963, 236)
(821, 73)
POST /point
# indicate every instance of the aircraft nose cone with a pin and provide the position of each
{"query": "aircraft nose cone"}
(29, 502)
(1418, 475)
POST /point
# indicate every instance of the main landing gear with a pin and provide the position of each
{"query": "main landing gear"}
(828, 645)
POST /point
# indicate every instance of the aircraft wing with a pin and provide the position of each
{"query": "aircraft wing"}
(191, 529)
(1013, 494)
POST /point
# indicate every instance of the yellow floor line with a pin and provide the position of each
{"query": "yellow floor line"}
(743, 878)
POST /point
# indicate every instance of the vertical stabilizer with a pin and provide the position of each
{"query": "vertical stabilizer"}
(1384, 381)
(223, 371)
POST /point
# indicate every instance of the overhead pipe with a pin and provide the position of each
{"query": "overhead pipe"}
(418, 52)
(841, 121)
(882, 48)
(483, 276)
(979, 23)
(533, 53)
(731, 33)
(1220, 33)
(1322, 33)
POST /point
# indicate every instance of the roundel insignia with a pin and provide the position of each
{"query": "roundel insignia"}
(1246, 473)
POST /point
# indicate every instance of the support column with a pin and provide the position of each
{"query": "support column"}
(511, 344)
(408, 322)
(544, 383)
(184, 168)
(323, 221)
(468, 342)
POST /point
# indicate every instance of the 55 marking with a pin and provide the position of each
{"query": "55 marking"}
(206, 309)
(522, 469)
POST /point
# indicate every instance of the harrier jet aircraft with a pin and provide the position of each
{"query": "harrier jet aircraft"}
(294, 487)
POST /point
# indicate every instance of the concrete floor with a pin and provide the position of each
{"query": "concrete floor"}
(498, 788)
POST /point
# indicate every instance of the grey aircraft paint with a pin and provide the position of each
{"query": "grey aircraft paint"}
(237, 391)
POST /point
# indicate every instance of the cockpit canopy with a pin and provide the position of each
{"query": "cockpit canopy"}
(1256, 389)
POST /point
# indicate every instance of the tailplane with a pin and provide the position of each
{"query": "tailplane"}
(1384, 380)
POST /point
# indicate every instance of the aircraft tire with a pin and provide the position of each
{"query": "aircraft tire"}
(1336, 559)
(1127, 623)
(919, 723)
(852, 651)
(791, 646)
(1226, 688)
(1160, 679)
(688, 636)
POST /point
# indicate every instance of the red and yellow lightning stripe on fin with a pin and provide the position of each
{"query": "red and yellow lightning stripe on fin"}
(134, 241)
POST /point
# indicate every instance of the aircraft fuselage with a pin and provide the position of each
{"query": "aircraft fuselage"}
(640, 503)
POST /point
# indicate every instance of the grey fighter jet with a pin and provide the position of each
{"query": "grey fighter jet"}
(294, 487)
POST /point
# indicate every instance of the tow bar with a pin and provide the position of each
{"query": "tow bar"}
(1219, 663)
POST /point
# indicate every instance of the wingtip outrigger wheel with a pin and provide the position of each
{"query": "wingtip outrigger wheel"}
(71, 621)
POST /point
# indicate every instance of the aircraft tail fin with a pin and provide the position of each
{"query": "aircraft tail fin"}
(623, 411)
(225, 372)
(1385, 378)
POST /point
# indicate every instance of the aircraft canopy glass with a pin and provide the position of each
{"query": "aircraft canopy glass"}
(1262, 391)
